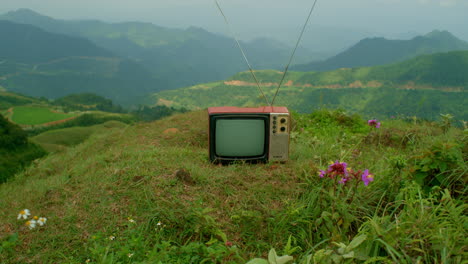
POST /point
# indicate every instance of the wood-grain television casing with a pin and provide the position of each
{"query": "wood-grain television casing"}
(248, 134)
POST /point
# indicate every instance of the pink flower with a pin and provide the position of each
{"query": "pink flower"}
(322, 173)
(367, 177)
(373, 123)
(338, 168)
(343, 180)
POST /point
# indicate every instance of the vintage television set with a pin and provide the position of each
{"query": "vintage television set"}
(248, 134)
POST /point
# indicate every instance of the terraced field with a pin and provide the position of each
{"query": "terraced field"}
(35, 115)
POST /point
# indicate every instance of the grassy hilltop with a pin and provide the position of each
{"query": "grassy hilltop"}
(146, 193)
(56, 125)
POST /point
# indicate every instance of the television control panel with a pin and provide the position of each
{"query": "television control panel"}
(279, 137)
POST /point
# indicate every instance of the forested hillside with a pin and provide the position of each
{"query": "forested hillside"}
(87, 101)
(425, 86)
(8, 99)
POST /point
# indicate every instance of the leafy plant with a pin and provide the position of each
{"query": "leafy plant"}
(446, 123)
(341, 254)
(151, 243)
(273, 258)
(434, 166)
(405, 230)
(8, 244)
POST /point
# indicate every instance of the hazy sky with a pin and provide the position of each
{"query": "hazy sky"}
(248, 17)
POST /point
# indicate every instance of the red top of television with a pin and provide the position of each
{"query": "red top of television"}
(242, 110)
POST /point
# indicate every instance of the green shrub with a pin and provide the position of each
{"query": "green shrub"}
(15, 150)
(439, 166)
(324, 119)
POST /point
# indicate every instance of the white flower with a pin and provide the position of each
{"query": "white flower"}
(112, 238)
(24, 214)
(131, 220)
(130, 255)
(159, 223)
(42, 221)
(31, 224)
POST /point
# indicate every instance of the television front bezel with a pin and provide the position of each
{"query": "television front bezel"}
(214, 157)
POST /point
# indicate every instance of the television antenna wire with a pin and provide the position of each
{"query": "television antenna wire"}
(290, 59)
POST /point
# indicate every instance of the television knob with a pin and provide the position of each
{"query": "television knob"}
(283, 120)
(283, 129)
(274, 131)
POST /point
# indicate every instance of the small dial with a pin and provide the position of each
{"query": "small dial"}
(283, 120)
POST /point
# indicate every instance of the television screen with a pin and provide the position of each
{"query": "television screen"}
(248, 134)
(240, 137)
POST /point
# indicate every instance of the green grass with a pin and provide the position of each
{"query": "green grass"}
(231, 214)
(33, 115)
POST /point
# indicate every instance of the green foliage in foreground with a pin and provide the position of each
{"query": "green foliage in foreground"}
(15, 150)
(148, 194)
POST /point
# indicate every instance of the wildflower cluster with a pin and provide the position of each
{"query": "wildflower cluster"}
(341, 171)
(32, 223)
(373, 123)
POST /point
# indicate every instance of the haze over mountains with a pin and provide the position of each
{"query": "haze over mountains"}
(127, 61)
(28, 44)
(206, 56)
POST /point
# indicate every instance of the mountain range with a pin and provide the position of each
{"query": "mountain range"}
(206, 56)
(28, 44)
(127, 61)
(39, 63)
(379, 51)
